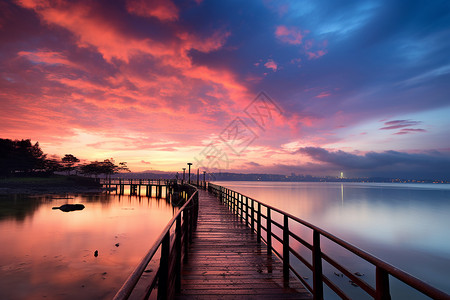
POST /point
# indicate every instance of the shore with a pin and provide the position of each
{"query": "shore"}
(56, 184)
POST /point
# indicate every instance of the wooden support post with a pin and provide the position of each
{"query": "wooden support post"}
(164, 267)
(286, 248)
(317, 267)
(269, 232)
(382, 284)
(258, 223)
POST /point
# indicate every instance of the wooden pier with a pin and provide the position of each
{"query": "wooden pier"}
(226, 261)
(153, 188)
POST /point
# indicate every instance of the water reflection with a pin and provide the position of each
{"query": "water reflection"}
(50, 253)
(403, 224)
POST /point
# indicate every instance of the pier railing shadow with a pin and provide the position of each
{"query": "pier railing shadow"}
(172, 245)
(252, 212)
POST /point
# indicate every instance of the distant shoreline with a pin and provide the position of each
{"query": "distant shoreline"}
(49, 185)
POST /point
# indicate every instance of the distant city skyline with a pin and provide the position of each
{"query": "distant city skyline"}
(279, 87)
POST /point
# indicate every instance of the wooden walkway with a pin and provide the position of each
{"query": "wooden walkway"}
(226, 261)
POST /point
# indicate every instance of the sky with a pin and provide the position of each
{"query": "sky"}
(307, 87)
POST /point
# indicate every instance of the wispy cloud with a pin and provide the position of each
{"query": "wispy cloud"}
(402, 124)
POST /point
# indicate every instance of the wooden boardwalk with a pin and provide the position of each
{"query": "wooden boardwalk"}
(226, 261)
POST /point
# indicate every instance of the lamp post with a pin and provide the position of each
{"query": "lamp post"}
(204, 179)
(198, 177)
(184, 172)
(189, 164)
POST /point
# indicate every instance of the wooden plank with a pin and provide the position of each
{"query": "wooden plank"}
(227, 262)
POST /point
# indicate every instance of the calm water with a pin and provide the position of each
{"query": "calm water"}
(406, 225)
(47, 253)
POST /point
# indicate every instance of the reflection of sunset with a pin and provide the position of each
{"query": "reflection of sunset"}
(53, 250)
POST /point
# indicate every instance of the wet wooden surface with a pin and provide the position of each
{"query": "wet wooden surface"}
(226, 261)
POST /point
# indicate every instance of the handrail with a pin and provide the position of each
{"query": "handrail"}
(248, 209)
(190, 212)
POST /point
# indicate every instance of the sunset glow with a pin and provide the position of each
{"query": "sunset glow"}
(283, 87)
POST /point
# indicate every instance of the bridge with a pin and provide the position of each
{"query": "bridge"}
(224, 245)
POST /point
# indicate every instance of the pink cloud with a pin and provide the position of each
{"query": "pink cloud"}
(323, 95)
(164, 10)
(317, 54)
(290, 35)
(270, 64)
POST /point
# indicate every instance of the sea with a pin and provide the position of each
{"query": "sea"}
(405, 224)
(47, 253)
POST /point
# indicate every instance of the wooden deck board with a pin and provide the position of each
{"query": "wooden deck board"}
(227, 262)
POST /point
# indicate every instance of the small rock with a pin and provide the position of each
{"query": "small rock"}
(96, 253)
(117, 245)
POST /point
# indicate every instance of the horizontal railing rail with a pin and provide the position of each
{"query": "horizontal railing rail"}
(251, 212)
(167, 277)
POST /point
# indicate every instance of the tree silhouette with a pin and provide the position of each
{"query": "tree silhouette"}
(19, 157)
(68, 162)
(106, 167)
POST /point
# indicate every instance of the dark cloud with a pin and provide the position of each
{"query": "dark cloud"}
(428, 165)
(252, 164)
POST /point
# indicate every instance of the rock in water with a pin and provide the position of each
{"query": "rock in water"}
(96, 253)
(70, 207)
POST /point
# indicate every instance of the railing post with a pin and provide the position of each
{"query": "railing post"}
(240, 207)
(233, 202)
(317, 267)
(286, 248)
(382, 284)
(246, 212)
(258, 223)
(269, 231)
(178, 254)
(253, 216)
(196, 205)
(186, 233)
(164, 267)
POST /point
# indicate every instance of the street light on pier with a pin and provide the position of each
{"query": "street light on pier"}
(189, 164)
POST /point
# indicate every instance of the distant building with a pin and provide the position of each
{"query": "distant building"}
(341, 176)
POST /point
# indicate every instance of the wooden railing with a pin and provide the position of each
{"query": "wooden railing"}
(252, 212)
(120, 181)
(173, 246)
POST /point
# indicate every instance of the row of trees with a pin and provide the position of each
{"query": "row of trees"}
(21, 157)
